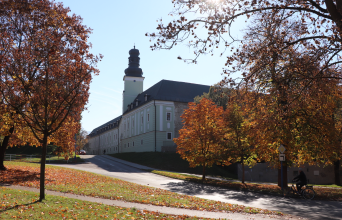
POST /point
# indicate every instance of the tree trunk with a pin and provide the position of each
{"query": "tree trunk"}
(42, 169)
(337, 172)
(203, 174)
(3, 148)
(243, 170)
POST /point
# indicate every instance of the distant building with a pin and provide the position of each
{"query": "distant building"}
(150, 119)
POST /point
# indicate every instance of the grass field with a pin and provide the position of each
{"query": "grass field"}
(49, 159)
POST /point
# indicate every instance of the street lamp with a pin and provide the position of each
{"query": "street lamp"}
(281, 159)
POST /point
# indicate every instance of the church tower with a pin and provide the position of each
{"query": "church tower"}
(133, 78)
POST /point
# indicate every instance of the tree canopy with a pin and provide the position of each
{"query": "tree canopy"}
(290, 60)
(46, 67)
(199, 140)
(311, 25)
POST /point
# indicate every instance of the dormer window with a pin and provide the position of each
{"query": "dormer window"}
(145, 97)
(131, 105)
(136, 102)
(128, 107)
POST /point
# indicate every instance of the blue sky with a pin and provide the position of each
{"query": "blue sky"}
(117, 26)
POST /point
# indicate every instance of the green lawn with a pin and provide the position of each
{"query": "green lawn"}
(49, 159)
(330, 186)
(32, 154)
(18, 204)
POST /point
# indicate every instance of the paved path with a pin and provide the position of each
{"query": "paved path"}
(124, 170)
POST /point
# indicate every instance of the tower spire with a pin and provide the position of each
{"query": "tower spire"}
(134, 81)
(133, 64)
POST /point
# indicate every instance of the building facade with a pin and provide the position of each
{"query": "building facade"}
(150, 119)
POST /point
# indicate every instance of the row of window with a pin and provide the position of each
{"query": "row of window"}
(109, 139)
(141, 142)
(168, 137)
(168, 118)
(109, 150)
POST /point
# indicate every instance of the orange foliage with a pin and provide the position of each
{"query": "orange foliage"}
(237, 138)
(199, 139)
(48, 68)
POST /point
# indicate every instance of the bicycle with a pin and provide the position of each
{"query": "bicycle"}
(306, 192)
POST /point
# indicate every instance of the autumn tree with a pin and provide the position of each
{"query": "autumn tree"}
(12, 129)
(217, 93)
(292, 45)
(320, 126)
(6, 114)
(6, 130)
(295, 80)
(238, 126)
(64, 139)
(13, 133)
(200, 137)
(81, 138)
(48, 66)
(206, 25)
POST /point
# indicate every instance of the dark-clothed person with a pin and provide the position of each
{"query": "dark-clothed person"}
(301, 178)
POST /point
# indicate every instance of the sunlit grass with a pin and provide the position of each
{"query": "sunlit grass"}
(49, 159)
(18, 204)
(332, 185)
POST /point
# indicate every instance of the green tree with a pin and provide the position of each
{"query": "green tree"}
(217, 93)
(237, 139)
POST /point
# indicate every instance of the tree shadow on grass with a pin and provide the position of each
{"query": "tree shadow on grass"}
(16, 176)
(18, 206)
